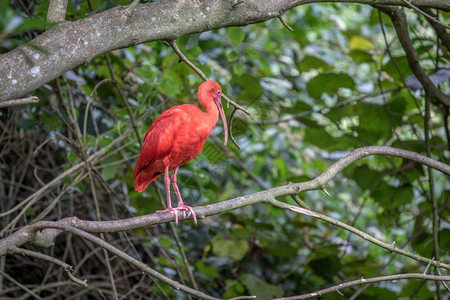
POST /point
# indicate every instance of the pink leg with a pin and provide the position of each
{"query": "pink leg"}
(169, 202)
(181, 206)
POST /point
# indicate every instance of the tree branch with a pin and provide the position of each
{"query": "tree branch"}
(105, 245)
(57, 11)
(67, 268)
(398, 18)
(45, 237)
(30, 200)
(70, 44)
(340, 286)
(364, 235)
(32, 99)
(440, 30)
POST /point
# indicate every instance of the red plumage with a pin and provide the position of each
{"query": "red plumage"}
(177, 136)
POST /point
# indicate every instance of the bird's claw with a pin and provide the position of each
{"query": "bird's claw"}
(183, 208)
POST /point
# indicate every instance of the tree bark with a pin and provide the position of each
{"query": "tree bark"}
(70, 44)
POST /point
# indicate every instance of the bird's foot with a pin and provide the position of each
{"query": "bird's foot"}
(183, 208)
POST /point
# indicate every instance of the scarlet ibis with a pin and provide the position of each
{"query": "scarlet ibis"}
(177, 136)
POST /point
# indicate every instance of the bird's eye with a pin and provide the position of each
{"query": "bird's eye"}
(218, 93)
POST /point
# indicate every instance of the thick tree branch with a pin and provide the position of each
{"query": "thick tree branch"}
(341, 286)
(70, 44)
(398, 18)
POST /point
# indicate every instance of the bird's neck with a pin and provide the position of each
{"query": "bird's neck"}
(211, 112)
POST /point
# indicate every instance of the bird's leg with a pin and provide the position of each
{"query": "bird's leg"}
(169, 202)
(181, 206)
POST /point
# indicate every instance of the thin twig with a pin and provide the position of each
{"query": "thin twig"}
(398, 18)
(66, 267)
(123, 98)
(21, 101)
(21, 286)
(285, 24)
(201, 74)
(230, 128)
(392, 278)
(429, 17)
(432, 198)
(360, 233)
(30, 200)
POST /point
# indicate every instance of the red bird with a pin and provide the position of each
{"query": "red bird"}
(177, 136)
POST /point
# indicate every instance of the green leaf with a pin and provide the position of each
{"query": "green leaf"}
(397, 68)
(390, 197)
(209, 271)
(358, 42)
(232, 56)
(328, 83)
(236, 36)
(365, 177)
(374, 122)
(234, 289)
(251, 89)
(238, 69)
(360, 56)
(259, 288)
(32, 24)
(235, 249)
(110, 172)
(311, 62)
(281, 249)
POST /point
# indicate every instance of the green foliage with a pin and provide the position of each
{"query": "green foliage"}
(236, 36)
(260, 288)
(233, 248)
(328, 83)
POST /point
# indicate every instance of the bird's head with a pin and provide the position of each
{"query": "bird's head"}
(211, 91)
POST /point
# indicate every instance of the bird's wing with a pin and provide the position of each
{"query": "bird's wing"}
(158, 140)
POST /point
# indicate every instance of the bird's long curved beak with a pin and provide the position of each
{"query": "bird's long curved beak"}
(218, 102)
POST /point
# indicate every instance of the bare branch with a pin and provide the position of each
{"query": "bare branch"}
(57, 11)
(66, 267)
(46, 237)
(422, 12)
(393, 278)
(363, 235)
(43, 190)
(285, 24)
(398, 18)
(22, 101)
(438, 28)
(21, 286)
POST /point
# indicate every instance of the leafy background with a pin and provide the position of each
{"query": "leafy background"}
(315, 94)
